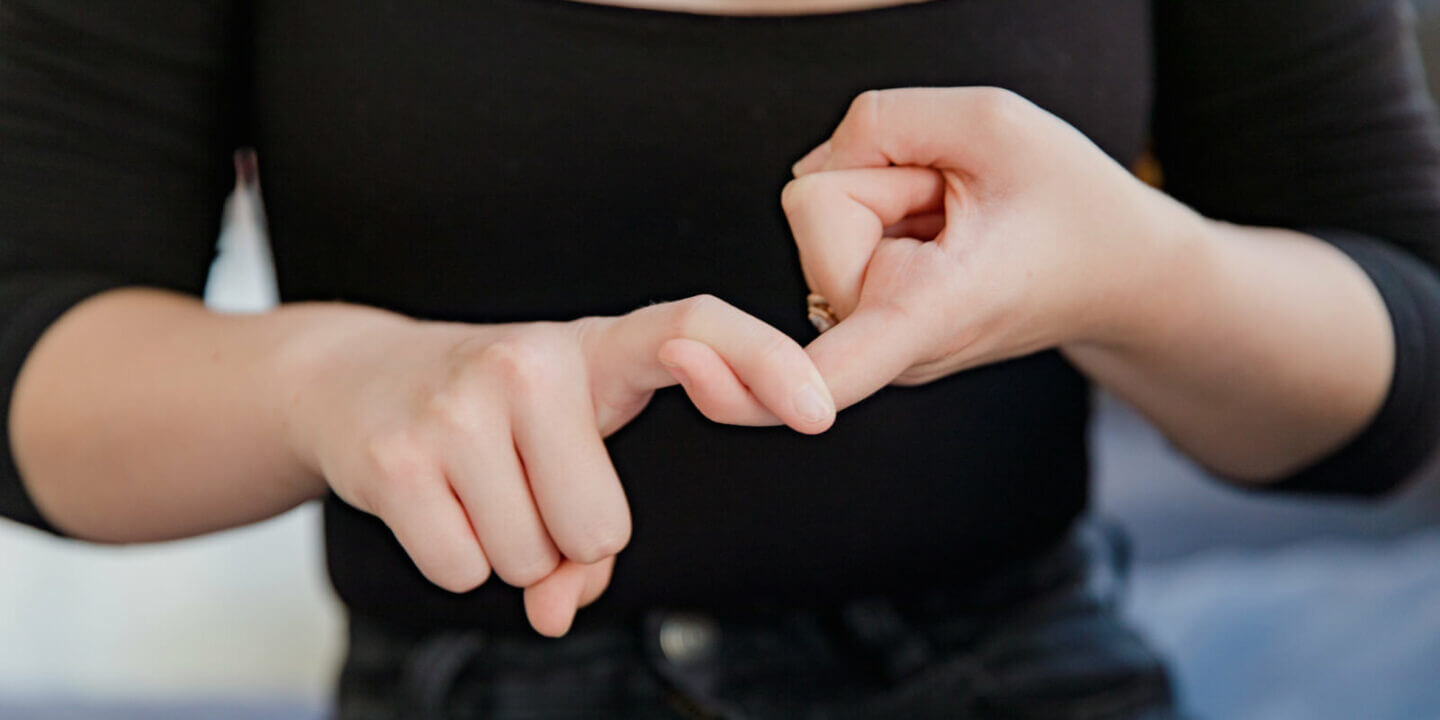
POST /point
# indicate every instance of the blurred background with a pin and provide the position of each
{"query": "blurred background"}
(1271, 608)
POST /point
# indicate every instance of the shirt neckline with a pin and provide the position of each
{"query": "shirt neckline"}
(659, 14)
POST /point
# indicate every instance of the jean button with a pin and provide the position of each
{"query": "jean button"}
(687, 637)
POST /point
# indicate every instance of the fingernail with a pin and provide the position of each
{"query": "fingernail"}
(811, 405)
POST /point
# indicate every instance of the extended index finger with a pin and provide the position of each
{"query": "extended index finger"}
(768, 362)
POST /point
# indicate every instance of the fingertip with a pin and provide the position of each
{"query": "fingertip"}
(552, 624)
(549, 608)
(814, 407)
(817, 428)
(821, 427)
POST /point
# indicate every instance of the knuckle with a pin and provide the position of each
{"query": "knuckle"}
(588, 332)
(522, 363)
(529, 569)
(864, 114)
(454, 410)
(692, 313)
(601, 540)
(398, 458)
(609, 544)
(802, 193)
(997, 109)
(461, 578)
(792, 196)
(863, 121)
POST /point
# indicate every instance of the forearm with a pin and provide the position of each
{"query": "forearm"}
(142, 416)
(1256, 351)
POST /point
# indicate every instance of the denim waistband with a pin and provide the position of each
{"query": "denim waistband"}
(1040, 640)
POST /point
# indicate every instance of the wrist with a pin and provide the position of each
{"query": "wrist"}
(1168, 259)
(318, 355)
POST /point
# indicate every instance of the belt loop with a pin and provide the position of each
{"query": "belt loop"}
(1107, 551)
(878, 627)
(682, 650)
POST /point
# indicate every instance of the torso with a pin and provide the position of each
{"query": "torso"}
(543, 159)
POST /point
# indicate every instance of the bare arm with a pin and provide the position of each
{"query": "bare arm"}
(143, 416)
(1256, 351)
(140, 416)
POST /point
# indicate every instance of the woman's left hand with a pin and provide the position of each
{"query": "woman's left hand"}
(951, 228)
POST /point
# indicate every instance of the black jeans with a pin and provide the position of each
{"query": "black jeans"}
(1043, 641)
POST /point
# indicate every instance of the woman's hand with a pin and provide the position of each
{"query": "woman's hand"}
(482, 446)
(957, 227)
(951, 228)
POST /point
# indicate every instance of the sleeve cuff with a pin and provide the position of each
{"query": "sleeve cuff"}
(1403, 435)
(29, 305)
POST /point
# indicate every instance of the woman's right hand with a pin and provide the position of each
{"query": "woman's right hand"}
(481, 446)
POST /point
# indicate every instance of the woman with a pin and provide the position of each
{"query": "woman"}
(563, 208)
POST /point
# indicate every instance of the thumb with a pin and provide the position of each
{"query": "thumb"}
(864, 352)
(551, 604)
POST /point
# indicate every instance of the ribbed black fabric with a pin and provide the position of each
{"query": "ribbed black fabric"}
(538, 159)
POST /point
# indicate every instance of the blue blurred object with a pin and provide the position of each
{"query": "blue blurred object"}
(1276, 607)
(1322, 630)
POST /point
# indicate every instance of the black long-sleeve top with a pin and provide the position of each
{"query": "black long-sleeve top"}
(536, 159)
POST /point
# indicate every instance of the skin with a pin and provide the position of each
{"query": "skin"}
(480, 446)
(951, 228)
(948, 228)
